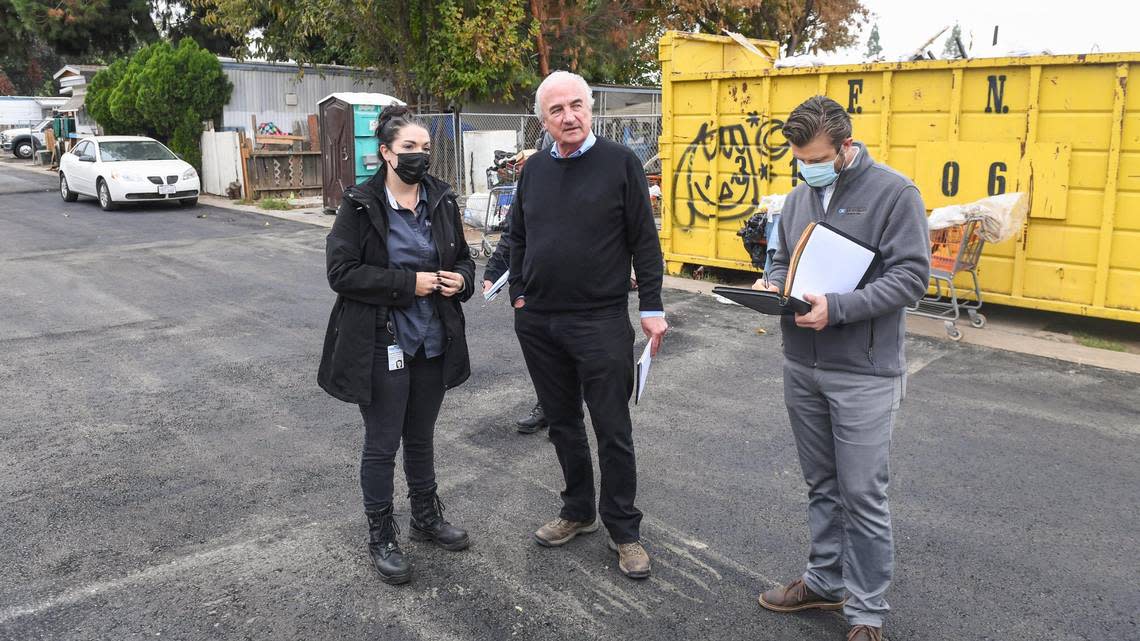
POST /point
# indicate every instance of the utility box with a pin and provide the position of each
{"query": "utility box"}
(350, 151)
(1063, 129)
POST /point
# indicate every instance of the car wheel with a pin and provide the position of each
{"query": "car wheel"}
(188, 202)
(23, 150)
(105, 196)
(65, 190)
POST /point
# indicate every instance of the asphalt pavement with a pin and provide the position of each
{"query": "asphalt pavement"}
(171, 470)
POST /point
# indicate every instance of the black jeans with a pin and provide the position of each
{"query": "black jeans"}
(589, 354)
(405, 404)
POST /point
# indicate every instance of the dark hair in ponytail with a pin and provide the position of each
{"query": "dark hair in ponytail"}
(392, 119)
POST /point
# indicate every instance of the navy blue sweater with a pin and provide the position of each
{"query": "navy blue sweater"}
(576, 226)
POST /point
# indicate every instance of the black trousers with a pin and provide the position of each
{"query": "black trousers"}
(587, 354)
(405, 404)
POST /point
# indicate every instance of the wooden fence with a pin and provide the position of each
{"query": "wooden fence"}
(282, 174)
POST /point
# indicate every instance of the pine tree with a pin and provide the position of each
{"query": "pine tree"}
(874, 49)
(951, 48)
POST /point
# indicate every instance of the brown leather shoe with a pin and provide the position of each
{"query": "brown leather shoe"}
(633, 560)
(560, 531)
(795, 597)
(865, 633)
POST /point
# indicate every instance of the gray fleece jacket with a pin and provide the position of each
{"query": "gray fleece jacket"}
(867, 327)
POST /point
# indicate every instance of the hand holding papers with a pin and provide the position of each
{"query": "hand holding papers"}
(643, 370)
(490, 294)
(825, 261)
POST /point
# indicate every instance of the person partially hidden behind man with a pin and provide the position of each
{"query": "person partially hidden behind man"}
(581, 216)
(844, 366)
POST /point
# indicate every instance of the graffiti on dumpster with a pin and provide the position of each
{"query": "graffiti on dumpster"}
(749, 151)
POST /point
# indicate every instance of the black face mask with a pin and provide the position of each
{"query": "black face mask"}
(411, 168)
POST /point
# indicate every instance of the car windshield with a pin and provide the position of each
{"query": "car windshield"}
(134, 150)
(44, 124)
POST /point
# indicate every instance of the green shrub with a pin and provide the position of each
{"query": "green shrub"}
(273, 203)
(164, 92)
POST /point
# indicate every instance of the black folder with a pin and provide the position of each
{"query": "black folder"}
(771, 303)
(825, 258)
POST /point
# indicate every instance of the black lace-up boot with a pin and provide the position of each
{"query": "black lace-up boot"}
(533, 422)
(428, 523)
(389, 559)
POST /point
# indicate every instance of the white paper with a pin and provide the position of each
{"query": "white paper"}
(497, 287)
(643, 371)
(830, 264)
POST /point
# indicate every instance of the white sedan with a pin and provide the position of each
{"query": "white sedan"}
(124, 169)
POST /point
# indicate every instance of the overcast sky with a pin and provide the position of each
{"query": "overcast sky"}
(1061, 26)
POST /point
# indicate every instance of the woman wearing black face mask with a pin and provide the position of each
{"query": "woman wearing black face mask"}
(400, 267)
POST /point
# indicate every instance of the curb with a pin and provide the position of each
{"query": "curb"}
(312, 216)
(22, 165)
(1047, 345)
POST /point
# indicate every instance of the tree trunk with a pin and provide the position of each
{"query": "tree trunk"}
(798, 28)
(543, 52)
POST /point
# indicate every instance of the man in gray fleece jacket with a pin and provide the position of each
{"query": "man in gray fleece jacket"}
(845, 368)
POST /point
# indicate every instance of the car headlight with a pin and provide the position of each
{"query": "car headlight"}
(189, 174)
(130, 178)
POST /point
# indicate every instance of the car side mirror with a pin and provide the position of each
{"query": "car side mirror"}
(87, 159)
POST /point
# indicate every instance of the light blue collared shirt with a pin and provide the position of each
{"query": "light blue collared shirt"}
(586, 145)
(590, 140)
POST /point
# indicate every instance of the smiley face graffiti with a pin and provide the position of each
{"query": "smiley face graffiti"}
(743, 154)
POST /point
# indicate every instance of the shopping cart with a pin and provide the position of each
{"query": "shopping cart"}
(498, 205)
(953, 250)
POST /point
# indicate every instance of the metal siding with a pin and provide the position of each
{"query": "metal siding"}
(19, 112)
(261, 92)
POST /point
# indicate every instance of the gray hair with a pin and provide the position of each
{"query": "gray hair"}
(818, 115)
(555, 76)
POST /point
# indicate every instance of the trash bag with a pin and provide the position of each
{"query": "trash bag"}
(752, 233)
(1002, 215)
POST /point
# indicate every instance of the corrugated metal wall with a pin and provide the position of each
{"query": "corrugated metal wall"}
(19, 111)
(260, 89)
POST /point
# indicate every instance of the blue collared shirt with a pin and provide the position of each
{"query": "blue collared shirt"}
(410, 247)
(589, 142)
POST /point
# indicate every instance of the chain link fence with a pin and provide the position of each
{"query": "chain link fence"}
(464, 145)
(483, 135)
(638, 132)
(445, 149)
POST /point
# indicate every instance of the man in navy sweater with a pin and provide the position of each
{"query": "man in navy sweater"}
(582, 215)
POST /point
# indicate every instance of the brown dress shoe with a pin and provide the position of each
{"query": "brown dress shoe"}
(633, 560)
(795, 597)
(865, 633)
(560, 531)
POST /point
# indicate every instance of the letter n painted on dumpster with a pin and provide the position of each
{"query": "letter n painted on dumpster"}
(995, 97)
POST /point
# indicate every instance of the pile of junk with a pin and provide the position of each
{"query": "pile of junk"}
(488, 211)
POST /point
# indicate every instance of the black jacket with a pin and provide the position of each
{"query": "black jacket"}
(500, 261)
(357, 255)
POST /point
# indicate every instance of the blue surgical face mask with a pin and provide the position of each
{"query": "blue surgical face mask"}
(820, 174)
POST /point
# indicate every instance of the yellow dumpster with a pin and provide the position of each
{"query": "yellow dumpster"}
(1064, 129)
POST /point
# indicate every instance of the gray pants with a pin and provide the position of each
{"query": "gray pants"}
(842, 423)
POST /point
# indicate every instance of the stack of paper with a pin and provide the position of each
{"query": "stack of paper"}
(497, 287)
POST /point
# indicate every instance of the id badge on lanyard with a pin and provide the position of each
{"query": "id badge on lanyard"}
(395, 358)
(395, 353)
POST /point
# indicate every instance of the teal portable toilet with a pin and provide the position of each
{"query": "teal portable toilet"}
(350, 152)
